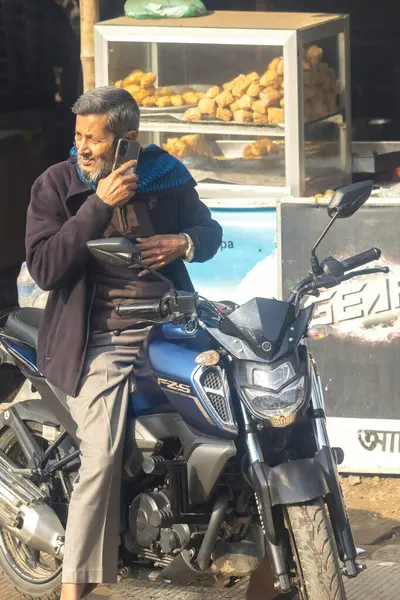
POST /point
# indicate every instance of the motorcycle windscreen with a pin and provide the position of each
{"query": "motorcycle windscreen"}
(261, 323)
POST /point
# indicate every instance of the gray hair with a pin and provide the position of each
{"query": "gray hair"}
(121, 108)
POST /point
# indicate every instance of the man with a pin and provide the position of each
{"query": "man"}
(84, 347)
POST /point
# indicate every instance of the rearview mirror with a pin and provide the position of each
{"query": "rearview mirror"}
(114, 251)
(348, 199)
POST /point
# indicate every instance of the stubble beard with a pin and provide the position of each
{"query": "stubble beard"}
(103, 168)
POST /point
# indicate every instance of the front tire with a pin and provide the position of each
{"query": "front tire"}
(315, 552)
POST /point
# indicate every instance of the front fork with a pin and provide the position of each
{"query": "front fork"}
(336, 505)
(274, 545)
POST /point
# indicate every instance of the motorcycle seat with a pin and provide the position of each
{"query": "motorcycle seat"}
(23, 324)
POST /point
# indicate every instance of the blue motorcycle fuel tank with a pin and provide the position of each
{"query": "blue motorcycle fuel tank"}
(171, 381)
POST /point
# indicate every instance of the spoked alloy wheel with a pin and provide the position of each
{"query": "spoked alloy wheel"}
(33, 574)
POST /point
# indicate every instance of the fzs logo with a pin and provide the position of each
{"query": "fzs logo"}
(174, 386)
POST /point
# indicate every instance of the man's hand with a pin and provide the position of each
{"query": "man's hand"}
(160, 250)
(118, 187)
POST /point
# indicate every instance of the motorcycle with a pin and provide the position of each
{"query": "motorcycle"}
(227, 457)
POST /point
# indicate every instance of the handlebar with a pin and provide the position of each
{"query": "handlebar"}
(142, 309)
(330, 281)
(172, 306)
(361, 259)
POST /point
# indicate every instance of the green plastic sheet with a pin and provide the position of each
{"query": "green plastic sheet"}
(164, 9)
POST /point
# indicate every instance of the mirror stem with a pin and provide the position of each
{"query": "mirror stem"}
(315, 266)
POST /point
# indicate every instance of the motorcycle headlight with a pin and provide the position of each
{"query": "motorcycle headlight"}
(273, 380)
(276, 407)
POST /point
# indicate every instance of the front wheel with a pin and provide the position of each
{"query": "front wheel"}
(315, 552)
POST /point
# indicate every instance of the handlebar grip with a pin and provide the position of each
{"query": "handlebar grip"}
(144, 309)
(361, 259)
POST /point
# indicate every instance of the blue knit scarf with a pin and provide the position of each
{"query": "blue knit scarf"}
(157, 171)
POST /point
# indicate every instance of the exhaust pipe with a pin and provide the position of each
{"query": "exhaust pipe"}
(24, 512)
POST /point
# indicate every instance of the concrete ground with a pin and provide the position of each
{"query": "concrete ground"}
(381, 581)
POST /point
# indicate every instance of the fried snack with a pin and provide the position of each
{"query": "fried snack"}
(177, 100)
(119, 83)
(150, 101)
(148, 80)
(243, 116)
(280, 68)
(169, 144)
(229, 85)
(234, 106)
(245, 102)
(190, 98)
(271, 96)
(260, 118)
(254, 90)
(271, 78)
(164, 101)
(133, 89)
(224, 99)
(213, 91)
(261, 107)
(182, 150)
(166, 91)
(273, 65)
(199, 95)
(224, 114)
(134, 77)
(208, 106)
(314, 54)
(193, 114)
(188, 145)
(144, 93)
(276, 115)
(185, 90)
(254, 77)
(258, 149)
(282, 102)
(241, 85)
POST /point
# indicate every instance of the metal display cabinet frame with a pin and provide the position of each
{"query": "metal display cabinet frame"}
(291, 31)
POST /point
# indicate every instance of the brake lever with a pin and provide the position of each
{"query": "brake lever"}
(331, 281)
(371, 271)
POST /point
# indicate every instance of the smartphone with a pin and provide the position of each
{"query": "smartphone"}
(126, 151)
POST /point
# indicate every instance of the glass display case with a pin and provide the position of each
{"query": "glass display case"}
(247, 100)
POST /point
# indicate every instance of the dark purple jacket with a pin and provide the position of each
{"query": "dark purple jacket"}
(63, 215)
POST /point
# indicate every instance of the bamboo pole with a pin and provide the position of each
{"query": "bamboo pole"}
(89, 15)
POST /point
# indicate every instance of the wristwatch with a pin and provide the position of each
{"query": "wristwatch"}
(190, 251)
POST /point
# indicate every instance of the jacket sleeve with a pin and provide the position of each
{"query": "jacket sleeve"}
(55, 245)
(195, 220)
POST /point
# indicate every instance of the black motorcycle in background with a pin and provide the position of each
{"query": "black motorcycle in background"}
(227, 456)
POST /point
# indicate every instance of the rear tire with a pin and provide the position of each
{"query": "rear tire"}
(315, 552)
(13, 581)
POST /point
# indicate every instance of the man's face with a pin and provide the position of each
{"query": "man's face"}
(95, 145)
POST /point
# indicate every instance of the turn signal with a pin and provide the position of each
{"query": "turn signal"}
(319, 332)
(207, 359)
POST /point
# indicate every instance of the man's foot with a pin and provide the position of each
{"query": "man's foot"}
(71, 591)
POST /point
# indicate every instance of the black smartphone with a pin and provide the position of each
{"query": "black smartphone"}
(126, 151)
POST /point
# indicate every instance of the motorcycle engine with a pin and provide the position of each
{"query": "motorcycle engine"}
(150, 522)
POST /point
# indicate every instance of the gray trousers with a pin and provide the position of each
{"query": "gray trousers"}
(99, 410)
